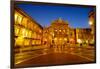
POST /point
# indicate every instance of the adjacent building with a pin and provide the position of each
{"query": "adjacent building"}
(28, 35)
(83, 35)
(92, 24)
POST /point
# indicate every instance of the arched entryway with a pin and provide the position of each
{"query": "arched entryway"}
(59, 42)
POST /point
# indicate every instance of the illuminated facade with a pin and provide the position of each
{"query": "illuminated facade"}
(92, 24)
(28, 35)
(59, 33)
(72, 36)
(83, 35)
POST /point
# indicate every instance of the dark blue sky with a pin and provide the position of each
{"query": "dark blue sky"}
(45, 14)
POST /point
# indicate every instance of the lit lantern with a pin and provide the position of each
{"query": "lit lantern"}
(60, 30)
(53, 34)
(90, 22)
(65, 39)
(79, 41)
(55, 39)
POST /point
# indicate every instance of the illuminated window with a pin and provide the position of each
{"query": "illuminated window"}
(64, 31)
(55, 39)
(34, 35)
(22, 32)
(16, 16)
(65, 39)
(35, 27)
(31, 26)
(26, 42)
(24, 22)
(19, 19)
(17, 29)
(60, 30)
(33, 42)
(26, 34)
(15, 41)
(37, 41)
(19, 41)
(40, 31)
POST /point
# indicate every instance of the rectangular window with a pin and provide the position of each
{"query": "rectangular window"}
(16, 17)
(28, 24)
(26, 42)
(33, 42)
(24, 22)
(16, 30)
(19, 19)
(21, 32)
(19, 41)
(30, 34)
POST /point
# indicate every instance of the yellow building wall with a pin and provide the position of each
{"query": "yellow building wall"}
(27, 37)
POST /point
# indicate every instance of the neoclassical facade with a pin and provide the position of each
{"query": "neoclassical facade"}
(59, 33)
(92, 24)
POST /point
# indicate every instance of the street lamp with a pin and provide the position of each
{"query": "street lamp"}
(79, 41)
(53, 34)
(90, 22)
(65, 39)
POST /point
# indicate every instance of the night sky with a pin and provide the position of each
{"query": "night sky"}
(77, 17)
